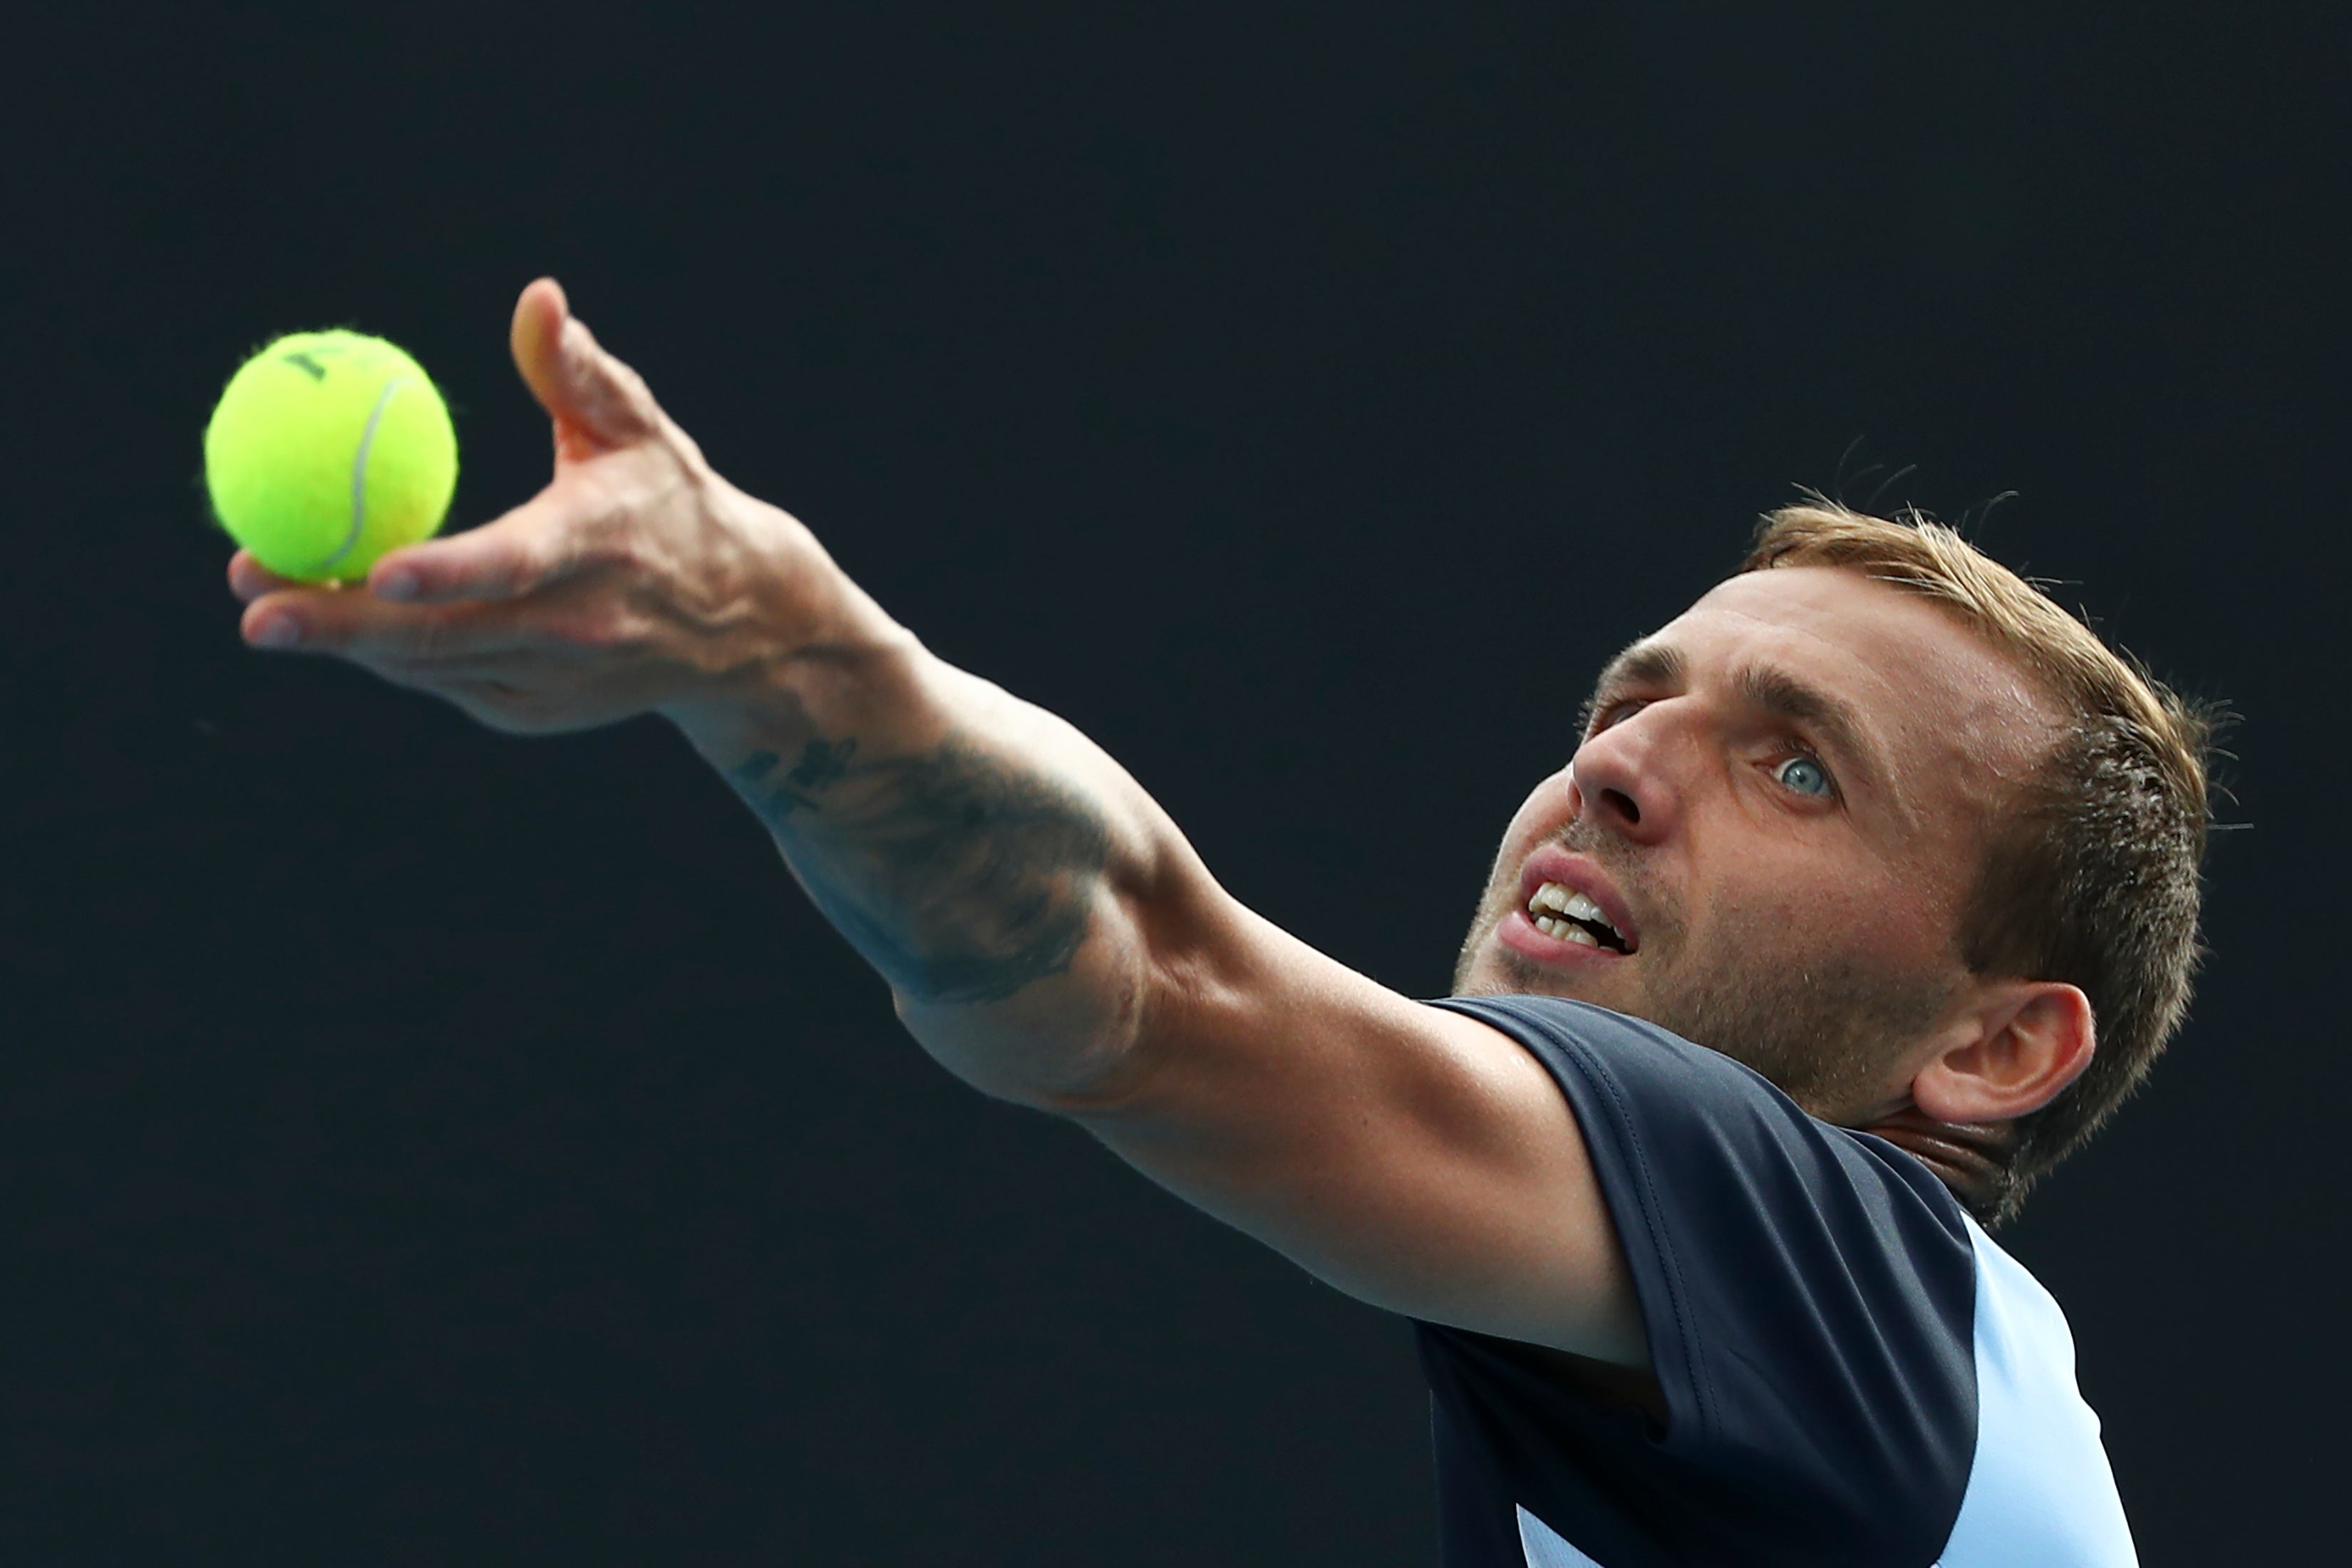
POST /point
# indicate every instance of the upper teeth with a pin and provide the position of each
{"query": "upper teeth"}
(1551, 901)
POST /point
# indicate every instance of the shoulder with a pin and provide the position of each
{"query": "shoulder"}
(1652, 1095)
(1808, 1291)
(1843, 1358)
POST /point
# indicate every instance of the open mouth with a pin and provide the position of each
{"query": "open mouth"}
(1569, 916)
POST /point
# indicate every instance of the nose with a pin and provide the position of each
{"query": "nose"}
(1623, 783)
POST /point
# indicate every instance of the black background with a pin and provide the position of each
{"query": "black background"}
(421, 1145)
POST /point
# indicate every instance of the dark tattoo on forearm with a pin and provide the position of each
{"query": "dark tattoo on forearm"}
(821, 765)
(960, 877)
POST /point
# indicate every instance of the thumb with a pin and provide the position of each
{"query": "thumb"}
(597, 402)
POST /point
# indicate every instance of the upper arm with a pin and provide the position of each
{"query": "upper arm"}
(1412, 1157)
(1415, 1158)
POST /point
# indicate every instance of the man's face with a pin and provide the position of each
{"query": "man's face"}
(1782, 801)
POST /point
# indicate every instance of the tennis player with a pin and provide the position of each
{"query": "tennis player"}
(1869, 889)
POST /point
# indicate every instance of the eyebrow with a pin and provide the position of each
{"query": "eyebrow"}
(1642, 663)
(1760, 686)
(1834, 718)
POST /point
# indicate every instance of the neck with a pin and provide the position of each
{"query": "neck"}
(1972, 1161)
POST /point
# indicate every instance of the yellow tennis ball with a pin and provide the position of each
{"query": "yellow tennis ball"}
(327, 450)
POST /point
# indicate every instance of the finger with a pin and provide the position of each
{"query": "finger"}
(361, 626)
(537, 544)
(248, 579)
(597, 402)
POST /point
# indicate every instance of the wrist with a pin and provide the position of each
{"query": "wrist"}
(865, 685)
(788, 639)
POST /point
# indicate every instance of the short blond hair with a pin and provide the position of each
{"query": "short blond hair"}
(2093, 878)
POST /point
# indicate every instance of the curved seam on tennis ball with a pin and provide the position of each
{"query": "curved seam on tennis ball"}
(359, 471)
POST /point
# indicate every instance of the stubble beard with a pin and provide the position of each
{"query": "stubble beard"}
(1821, 1025)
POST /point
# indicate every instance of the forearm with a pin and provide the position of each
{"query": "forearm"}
(996, 867)
(1004, 875)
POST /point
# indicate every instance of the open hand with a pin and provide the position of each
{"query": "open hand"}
(638, 580)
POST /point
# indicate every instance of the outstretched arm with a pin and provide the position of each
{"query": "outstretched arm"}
(1047, 933)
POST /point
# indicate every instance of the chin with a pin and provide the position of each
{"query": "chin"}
(1492, 969)
(1497, 970)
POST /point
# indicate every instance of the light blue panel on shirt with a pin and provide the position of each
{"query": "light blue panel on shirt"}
(2040, 1491)
(1544, 1547)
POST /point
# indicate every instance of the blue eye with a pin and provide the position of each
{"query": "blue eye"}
(1803, 776)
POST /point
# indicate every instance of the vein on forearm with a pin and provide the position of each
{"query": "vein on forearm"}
(959, 877)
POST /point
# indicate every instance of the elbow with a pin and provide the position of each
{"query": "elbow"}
(1066, 1043)
(1088, 1034)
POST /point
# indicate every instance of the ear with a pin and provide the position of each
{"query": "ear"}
(2010, 1055)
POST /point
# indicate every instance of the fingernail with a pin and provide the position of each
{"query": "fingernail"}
(277, 631)
(397, 584)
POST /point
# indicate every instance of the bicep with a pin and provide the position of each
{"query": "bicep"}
(1416, 1159)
